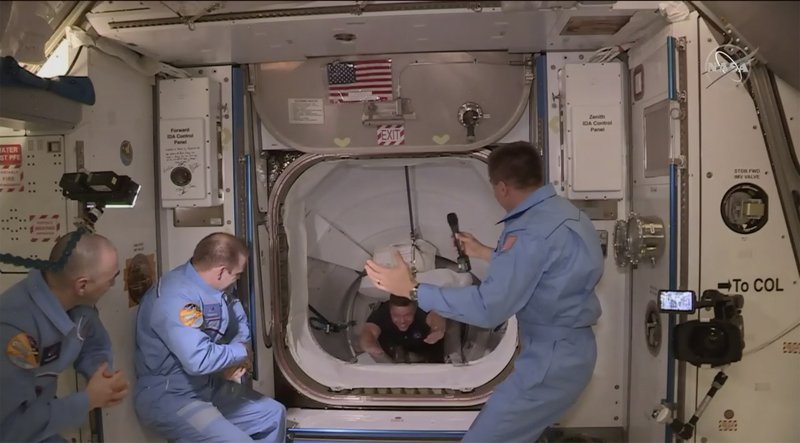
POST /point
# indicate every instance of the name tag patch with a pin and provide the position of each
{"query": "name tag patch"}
(51, 353)
(213, 311)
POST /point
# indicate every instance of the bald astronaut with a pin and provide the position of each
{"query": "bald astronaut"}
(48, 323)
(544, 270)
(192, 341)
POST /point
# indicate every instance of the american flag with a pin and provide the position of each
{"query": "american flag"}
(360, 81)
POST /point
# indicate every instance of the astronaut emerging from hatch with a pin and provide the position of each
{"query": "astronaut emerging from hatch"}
(400, 332)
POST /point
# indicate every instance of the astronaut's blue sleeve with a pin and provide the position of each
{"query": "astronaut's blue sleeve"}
(512, 276)
(173, 320)
(243, 333)
(96, 348)
(24, 416)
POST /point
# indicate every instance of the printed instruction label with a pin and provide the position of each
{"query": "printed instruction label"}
(306, 111)
(182, 142)
(747, 173)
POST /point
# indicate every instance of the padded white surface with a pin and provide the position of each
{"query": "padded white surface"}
(339, 209)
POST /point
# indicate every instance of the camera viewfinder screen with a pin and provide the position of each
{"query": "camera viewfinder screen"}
(679, 301)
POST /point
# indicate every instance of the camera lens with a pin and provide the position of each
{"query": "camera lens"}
(709, 341)
(715, 342)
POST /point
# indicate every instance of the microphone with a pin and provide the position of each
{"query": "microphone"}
(463, 261)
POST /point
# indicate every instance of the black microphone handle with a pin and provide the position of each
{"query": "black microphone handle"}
(463, 260)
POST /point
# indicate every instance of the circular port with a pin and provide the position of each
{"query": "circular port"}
(744, 208)
(180, 176)
(652, 328)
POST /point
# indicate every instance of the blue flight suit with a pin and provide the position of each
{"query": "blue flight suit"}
(545, 268)
(40, 340)
(186, 333)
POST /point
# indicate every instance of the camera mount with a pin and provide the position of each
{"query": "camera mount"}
(685, 431)
(95, 191)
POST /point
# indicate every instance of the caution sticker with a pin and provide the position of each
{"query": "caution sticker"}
(44, 228)
(23, 351)
(192, 315)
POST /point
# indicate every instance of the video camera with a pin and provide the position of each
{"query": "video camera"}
(717, 341)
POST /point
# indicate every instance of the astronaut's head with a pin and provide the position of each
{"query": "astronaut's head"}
(402, 311)
(90, 271)
(220, 259)
(515, 170)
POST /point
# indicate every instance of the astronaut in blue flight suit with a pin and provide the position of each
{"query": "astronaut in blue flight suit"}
(544, 269)
(192, 341)
(48, 323)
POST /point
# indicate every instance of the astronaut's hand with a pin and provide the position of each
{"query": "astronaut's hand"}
(382, 358)
(106, 390)
(472, 247)
(378, 355)
(434, 337)
(397, 280)
(234, 373)
(247, 363)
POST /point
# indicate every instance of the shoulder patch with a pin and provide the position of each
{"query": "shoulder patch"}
(510, 240)
(23, 351)
(191, 315)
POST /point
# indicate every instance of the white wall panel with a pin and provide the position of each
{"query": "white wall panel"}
(178, 242)
(123, 111)
(759, 400)
(603, 403)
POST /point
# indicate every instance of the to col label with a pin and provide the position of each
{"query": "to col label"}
(760, 284)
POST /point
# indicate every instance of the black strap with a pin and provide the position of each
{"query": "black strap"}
(410, 209)
(320, 323)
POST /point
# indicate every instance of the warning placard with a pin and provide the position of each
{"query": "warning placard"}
(44, 228)
(11, 174)
(391, 135)
(10, 155)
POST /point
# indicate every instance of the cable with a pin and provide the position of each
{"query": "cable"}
(413, 234)
(773, 340)
(410, 210)
(74, 60)
(608, 53)
(321, 323)
(46, 265)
